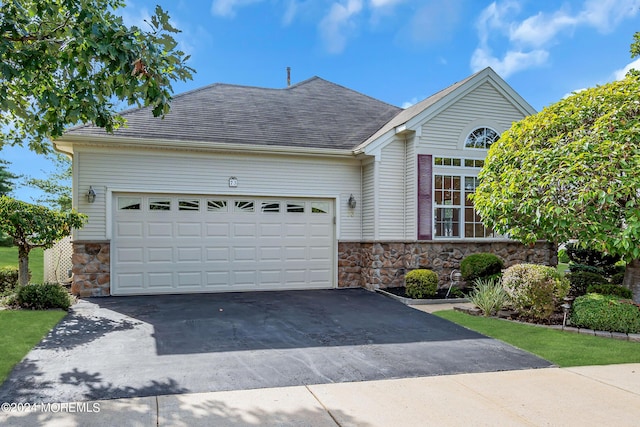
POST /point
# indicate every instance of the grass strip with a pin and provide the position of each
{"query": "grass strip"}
(561, 348)
(21, 331)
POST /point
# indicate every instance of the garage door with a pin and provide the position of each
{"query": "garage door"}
(183, 244)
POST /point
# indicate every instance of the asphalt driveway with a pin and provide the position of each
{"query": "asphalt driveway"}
(153, 345)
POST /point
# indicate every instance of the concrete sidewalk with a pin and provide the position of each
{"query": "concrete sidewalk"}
(582, 396)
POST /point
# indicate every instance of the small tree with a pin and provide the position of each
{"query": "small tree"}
(57, 186)
(33, 226)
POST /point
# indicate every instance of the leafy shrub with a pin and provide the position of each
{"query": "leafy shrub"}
(421, 283)
(535, 290)
(574, 268)
(617, 278)
(581, 280)
(44, 296)
(488, 295)
(605, 313)
(607, 289)
(480, 265)
(563, 257)
(8, 279)
(590, 257)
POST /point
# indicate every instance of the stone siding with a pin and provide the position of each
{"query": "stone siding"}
(384, 264)
(91, 274)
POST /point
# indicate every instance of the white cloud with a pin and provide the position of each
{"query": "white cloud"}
(227, 8)
(384, 3)
(529, 40)
(410, 102)
(619, 74)
(336, 25)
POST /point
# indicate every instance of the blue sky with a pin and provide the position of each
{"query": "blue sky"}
(399, 51)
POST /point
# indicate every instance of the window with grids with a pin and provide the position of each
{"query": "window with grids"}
(454, 213)
(481, 138)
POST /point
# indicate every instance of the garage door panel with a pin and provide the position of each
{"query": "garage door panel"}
(159, 229)
(188, 229)
(129, 229)
(163, 255)
(217, 230)
(225, 245)
(189, 255)
(160, 280)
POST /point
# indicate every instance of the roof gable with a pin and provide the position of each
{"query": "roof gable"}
(417, 113)
(314, 113)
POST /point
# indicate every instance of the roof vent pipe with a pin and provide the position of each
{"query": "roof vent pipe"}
(288, 76)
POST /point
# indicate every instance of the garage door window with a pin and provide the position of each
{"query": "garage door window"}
(157, 204)
(217, 205)
(189, 205)
(293, 207)
(319, 207)
(129, 203)
(243, 206)
(270, 207)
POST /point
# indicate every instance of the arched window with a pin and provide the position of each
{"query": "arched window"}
(481, 138)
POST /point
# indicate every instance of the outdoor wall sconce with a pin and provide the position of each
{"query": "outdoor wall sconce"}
(91, 195)
(352, 202)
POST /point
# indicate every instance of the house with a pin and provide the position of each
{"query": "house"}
(313, 186)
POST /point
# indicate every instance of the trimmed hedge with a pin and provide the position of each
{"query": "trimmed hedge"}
(476, 266)
(605, 313)
(607, 289)
(43, 296)
(421, 283)
(581, 280)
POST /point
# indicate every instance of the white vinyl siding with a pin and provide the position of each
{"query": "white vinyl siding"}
(391, 192)
(368, 201)
(485, 102)
(152, 171)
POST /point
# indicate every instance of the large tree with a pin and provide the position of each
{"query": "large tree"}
(64, 62)
(572, 171)
(33, 226)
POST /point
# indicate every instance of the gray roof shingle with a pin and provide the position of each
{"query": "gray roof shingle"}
(314, 113)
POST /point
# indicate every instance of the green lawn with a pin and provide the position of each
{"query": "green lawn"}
(21, 331)
(9, 258)
(561, 348)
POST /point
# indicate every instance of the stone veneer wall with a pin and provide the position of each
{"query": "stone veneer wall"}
(91, 275)
(375, 265)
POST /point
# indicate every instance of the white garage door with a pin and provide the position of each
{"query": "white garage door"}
(180, 244)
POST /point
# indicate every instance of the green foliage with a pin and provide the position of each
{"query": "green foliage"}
(617, 278)
(488, 295)
(563, 257)
(421, 283)
(74, 61)
(605, 313)
(608, 289)
(6, 179)
(582, 256)
(43, 296)
(8, 279)
(545, 178)
(581, 280)
(535, 290)
(480, 265)
(33, 226)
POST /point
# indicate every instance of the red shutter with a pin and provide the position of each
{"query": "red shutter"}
(425, 199)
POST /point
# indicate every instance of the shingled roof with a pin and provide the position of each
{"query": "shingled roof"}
(314, 113)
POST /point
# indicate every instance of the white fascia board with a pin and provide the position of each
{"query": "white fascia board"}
(375, 146)
(68, 141)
